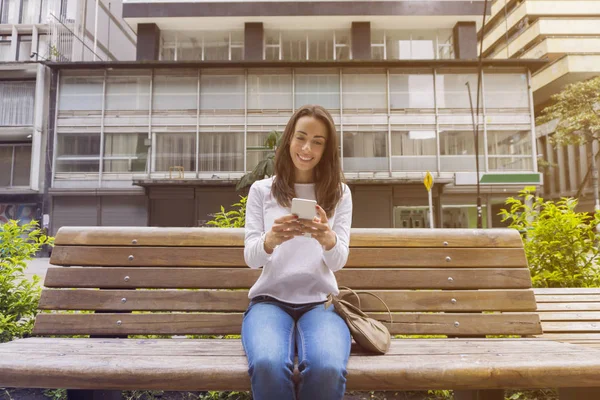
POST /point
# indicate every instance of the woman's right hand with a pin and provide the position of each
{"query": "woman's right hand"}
(283, 229)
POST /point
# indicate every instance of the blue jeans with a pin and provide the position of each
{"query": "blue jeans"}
(271, 332)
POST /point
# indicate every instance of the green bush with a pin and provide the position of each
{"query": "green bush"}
(18, 295)
(232, 218)
(561, 244)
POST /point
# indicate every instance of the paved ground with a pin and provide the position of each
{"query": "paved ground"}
(37, 266)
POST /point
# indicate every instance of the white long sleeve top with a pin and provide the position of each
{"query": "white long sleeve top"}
(298, 271)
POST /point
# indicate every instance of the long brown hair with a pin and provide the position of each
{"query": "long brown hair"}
(328, 175)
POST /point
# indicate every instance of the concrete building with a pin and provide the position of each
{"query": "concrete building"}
(567, 33)
(162, 141)
(33, 32)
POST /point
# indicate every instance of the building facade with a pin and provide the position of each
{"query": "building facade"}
(567, 33)
(163, 140)
(33, 32)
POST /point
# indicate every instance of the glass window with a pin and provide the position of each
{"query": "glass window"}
(511, 142)
(6, 159)
(510, 163)
(78, 152)
(24, 50)
(452, 91)
(255, 148)
(398, 45)
(222, 92)
(457, 151)
(43, 49)
(22, 166)
(16, 103)
(175, 150)
(221, 151)
(320, 45)
(411, 91)
(365, 91)
(81, 93)
(175, 92)
(293, 45)
(68, 10)
(506, 91)
(5, 53)
(31, 11)
(125, 152)
(318, 88)
(216, 46)
(414, 150)
(365, 151)
(270, 91)
(10, 11)
(189, 46)
(128, 93)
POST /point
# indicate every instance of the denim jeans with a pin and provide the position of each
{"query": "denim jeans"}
(272, 331)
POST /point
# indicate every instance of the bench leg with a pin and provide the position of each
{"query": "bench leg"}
(490, 394)
(77, 394)
(579, 393)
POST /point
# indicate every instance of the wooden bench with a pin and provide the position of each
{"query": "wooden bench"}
(570, 315)
(463, 285)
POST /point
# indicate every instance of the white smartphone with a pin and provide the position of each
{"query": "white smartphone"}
(304, 209)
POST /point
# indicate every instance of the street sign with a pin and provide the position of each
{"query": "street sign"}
(428, 181)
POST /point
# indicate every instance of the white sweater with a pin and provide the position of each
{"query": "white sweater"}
(298, 271)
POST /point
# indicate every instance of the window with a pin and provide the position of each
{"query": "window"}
(202, 45)
(221, 151)
(34, 11)
(452, 91)
(365, 149)
(78, 93)
(175, 92)
(221, 91)
(509, 149)
(506, 91)
(411, 91)
(175, 150)
(24, 48)
(343, 50)
(128, 93)
(78, 152)
(364, 91)
(5, 50)
(15, 165)
(16, 103)
(321, 88)
(457, 150)
(270, 91)
(414, 150)
(294, 45)
(125, 152)
(9, 12)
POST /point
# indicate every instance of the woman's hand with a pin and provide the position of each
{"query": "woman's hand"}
(320, 230)
(283, 229)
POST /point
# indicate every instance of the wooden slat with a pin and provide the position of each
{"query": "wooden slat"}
(210, 323)
(234, 257)
(571, 326)
(214, 237)
(556, 364)
(233, 347)
(568, 306)
(567, 291)
(234, 278)
(570, 316)
(542, 298)
(572, 336)
(212, 300)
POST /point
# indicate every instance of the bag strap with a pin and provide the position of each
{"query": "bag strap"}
(356, 293)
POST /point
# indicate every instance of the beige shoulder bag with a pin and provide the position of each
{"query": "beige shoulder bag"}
(369, 333)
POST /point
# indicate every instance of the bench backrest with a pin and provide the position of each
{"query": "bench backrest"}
(179, 281)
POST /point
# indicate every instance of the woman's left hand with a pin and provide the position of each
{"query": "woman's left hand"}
(320, 230)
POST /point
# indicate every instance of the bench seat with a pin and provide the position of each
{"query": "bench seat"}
(132, 296)
(214, 364)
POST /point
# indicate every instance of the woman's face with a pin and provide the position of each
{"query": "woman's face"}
(307, 146)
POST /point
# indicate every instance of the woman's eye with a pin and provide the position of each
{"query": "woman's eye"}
(319, 143)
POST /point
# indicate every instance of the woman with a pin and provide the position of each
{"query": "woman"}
(286, 312)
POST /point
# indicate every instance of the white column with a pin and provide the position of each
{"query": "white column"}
(13, 44)
(37, 166)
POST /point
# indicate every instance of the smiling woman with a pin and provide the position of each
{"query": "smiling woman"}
(298, 258)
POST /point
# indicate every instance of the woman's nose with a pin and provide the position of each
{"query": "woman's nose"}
(306, 146)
